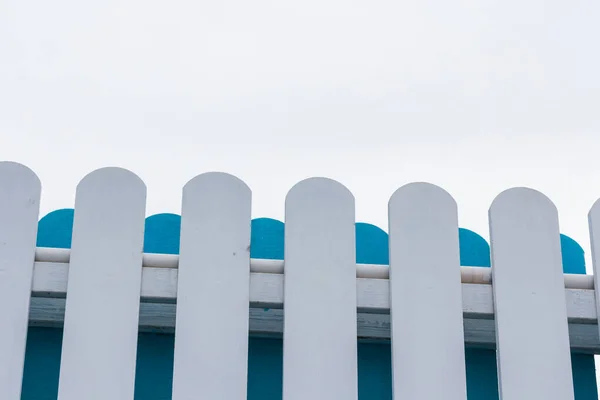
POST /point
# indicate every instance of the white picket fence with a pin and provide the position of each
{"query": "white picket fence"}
(538, 312)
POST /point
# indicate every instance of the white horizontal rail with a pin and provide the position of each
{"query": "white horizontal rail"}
(159, 294)
(468, 274)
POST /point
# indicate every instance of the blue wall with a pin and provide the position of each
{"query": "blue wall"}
(155, 351)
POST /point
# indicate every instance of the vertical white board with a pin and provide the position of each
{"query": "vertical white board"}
(594, 227)
(103, 294)
(428, 358)
(211, 347)
(534, 360)
(320, 337)
(20, 191)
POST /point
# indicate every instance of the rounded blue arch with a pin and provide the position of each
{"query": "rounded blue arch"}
(474, 249)
(55, 229)
(267, 239)
(162, 233)
(371, 244)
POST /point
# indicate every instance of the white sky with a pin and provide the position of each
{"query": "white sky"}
(475, 96)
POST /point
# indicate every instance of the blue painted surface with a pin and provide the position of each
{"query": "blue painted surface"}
(474, 250)
(42, 354)
(265, 359)
(162, 234)
(573, 257)
(56, 229)
(371, 245)
(42, 363)
(154, 365)
(266, 239)
(482, 375)
(374, 360)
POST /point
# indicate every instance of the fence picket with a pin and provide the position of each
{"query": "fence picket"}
(428, 358)
(20, 191)
(98, 355)
(594, 228)
(319, 290)
(532, 335)
(211, 347)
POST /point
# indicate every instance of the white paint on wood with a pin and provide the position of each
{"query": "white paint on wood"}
(211, 347)
(159, 285)
(534, 360)
(265, 266)
(594, 227)
(479, 328)
(159, 293)
(102, 306)
(425, 264)
(20, 192)
(319, 288)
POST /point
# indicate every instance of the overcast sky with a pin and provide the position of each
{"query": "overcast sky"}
(475, 96)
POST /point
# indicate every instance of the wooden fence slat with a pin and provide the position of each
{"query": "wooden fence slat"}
(594, 227)
(319, 338)
(211, 347)
(428, 356)
(99, 353)
(20, 191)
(533, 350)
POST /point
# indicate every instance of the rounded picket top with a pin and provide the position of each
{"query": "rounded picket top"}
(422, 196)
(594, 229)
(594, 215)
(18, 178)
(595, 209)
(318, 191)
(524, 201)
(110, 209)
(423, 224)
(20, 192)
(315, 206)
(108, 180)
(217, 184)
(215, 206)
(523, 217)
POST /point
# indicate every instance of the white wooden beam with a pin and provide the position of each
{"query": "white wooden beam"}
(159, 288)
(479, 331)
(370, 271)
